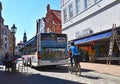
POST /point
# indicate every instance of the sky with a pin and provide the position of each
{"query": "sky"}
(24, 13)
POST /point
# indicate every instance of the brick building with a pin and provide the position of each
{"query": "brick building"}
(53, 20)
(1, 27)
(6, 37)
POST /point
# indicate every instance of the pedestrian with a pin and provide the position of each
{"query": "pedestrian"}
(7, 61)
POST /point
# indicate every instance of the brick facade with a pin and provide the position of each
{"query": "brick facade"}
(53, 20)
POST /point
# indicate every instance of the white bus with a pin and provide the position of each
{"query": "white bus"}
(46, 49)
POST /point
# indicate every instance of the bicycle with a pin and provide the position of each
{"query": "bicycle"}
(75, 68)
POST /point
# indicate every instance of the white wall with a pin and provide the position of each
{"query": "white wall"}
(99, 21)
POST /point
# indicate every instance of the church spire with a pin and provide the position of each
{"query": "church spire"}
(24, 37)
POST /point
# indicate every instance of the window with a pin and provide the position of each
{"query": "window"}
(3, 31)
(70, 10)
(6, 32)
(65, 15)
(87, 4)
(65, 1)
(78, 6)
(5, 45)
(62, 2)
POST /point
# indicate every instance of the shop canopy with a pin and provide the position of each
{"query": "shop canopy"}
(93, 38)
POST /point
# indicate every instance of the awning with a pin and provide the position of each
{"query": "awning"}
(29, 41)
(93, 38)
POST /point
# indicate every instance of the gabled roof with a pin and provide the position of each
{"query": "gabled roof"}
(56, 16)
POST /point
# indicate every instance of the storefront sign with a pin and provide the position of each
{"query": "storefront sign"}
(83, 33)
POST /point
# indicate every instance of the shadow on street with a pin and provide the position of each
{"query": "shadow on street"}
(12, 77)
(22, 78)
(58, 69)
(86, 70)
(48, 80)
(91, 77)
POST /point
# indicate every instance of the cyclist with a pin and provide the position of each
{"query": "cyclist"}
(73, 51)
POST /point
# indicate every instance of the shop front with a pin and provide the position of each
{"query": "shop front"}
(95, 48)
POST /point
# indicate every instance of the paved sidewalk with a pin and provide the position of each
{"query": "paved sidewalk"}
(102, 68)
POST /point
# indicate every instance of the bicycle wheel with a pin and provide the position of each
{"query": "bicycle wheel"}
(79, 70)
(69, 68)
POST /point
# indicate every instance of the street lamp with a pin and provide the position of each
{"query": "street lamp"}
(13, 30)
